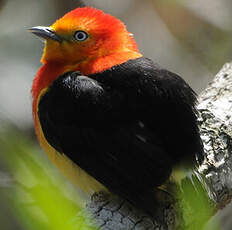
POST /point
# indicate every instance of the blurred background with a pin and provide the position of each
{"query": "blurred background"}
(191, 38)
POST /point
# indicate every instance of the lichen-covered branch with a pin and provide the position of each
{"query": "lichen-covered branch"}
(216, 128)
(214, 175)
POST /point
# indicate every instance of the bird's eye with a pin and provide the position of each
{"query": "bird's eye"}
(80, 35)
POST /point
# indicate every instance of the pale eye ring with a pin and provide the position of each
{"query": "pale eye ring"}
(80, 35)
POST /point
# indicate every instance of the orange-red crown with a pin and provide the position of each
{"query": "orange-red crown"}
(106, 36)
(91, 19)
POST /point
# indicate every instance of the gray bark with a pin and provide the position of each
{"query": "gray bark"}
(213, 175)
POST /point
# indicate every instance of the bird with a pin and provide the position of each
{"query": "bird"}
(109, 118)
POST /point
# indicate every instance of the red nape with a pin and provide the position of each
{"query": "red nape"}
(43, 79)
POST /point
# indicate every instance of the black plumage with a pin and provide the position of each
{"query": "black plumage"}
(127, 126)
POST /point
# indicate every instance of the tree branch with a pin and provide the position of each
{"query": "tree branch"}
(216, 129)
(214, 175)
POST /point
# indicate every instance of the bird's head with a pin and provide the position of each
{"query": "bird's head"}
(84, 35)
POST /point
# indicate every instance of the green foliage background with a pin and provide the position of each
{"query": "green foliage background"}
(35, 195)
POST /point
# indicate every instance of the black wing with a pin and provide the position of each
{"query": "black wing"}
(126, 126)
